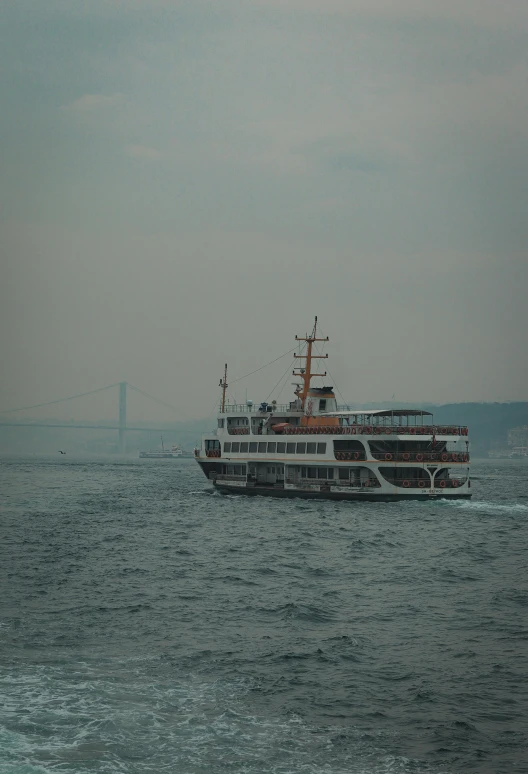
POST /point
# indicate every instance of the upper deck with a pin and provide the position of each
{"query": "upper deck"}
(401, 422)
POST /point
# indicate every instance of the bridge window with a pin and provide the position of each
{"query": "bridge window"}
(244, 448)
(321, 448)
(262, 447)
(271, 448)
(227, 447)
(322, 404)
(220, 423)
(235, 447)
(252, 447)
(301, 448)
(281, 448)
(290, 448)
(311, 448)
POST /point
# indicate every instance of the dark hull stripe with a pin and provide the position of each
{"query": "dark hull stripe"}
(312, 495)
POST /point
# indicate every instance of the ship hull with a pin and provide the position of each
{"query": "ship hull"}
(370, 496)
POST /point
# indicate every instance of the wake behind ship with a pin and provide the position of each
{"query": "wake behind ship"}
(313, 448)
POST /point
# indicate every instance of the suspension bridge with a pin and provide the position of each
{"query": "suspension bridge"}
(121, 425)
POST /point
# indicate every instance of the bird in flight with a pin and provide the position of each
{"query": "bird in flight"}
(61, 452)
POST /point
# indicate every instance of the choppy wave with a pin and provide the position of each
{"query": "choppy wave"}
(123, 719)
(149, 624)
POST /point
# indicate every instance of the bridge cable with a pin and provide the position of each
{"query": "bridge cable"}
(157, 400)
(60, 400)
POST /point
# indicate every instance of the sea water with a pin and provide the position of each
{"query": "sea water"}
(149, 624)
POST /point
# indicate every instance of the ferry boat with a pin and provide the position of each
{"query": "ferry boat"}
(313, 448)
(163, 453)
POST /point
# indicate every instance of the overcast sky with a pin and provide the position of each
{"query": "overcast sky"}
(189, 182)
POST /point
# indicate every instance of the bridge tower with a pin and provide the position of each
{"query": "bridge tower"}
(122, 417)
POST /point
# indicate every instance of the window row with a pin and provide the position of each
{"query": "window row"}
(273, 447)
(317, 473)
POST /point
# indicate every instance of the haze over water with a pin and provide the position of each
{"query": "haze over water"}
(150, 625)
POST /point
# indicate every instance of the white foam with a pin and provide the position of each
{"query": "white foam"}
(489, 505)
(119, 717)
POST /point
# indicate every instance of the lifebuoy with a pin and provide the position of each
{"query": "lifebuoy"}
(454, 457)
(356, 455)
(366, 482)
(377, 430)
(406, 456)
(368, 430)
(421, 484)
(442, 484)
(419, 457)
(388, 431)
(444, 457)
(421, 430)
(443, 431)
(352, 430)
(388, 456)
(454, 483)
(434, 456)
(412, 431)
(466, 457)
(406, 484)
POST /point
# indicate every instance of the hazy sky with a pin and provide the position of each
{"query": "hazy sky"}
(189, 182)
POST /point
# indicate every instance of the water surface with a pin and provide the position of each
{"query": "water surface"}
(148, 624)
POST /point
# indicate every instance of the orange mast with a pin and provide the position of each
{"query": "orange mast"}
(306, 373)
(223, 385)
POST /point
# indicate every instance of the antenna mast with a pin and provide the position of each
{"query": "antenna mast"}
(223, 385)
(306, 372)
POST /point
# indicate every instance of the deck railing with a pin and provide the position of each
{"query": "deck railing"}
(418, 456)
(377, 430)
(416, 483)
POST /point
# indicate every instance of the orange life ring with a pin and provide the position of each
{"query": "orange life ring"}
(454, 457)
(368, 430)
(352, 430)
(421, 484)
(443, 431)
(465, 458)
(377, 430)
(454, 483)
(445, 457)
(406, 456)
(388, 431)
(420, 430)
(419, 457)
(412, 431)
(356, 455)
(388, 456)
(442, 484)
(406, 484)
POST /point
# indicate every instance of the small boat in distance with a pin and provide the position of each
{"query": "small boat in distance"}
(313, 448)
(164, 454)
